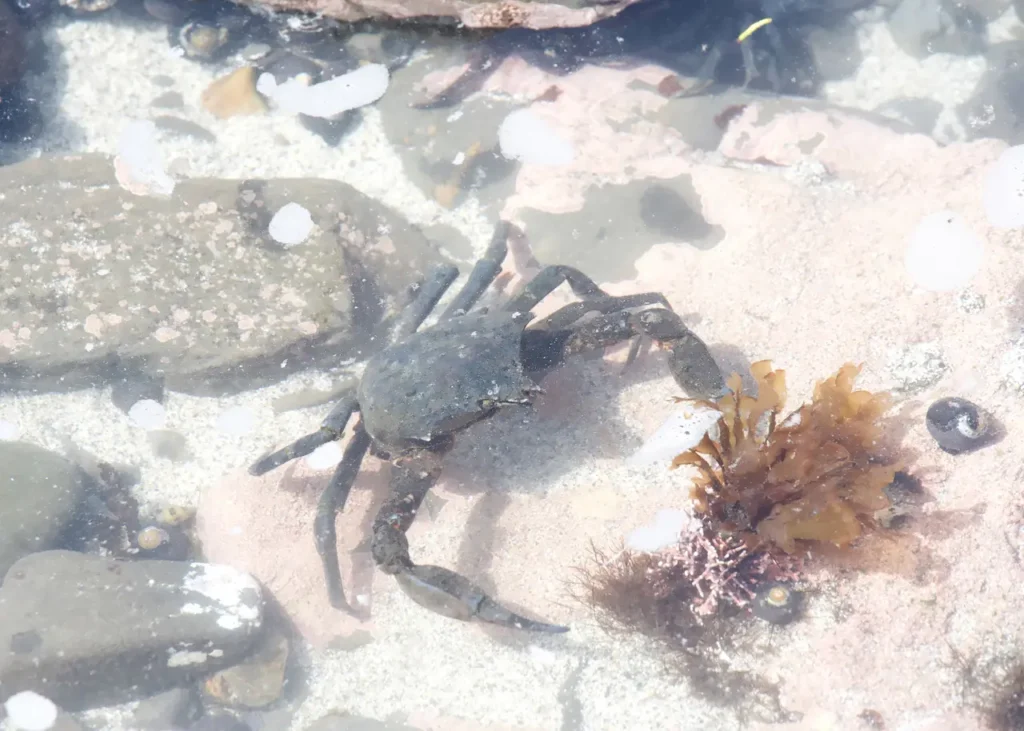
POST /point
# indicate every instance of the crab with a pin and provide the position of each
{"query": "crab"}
(426, 386)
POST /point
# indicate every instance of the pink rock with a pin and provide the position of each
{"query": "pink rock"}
(265, 524)
(493, 14)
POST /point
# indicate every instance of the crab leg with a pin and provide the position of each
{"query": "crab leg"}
(484, 272)
(689, 360)
(331, 428)
(433, 587)
(430, 291)
(566, 316)
(331, 501)
(551, 278)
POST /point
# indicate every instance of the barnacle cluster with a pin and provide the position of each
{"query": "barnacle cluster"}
(817, 476)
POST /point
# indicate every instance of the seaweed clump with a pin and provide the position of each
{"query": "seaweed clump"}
(817, 476)
(766, 486)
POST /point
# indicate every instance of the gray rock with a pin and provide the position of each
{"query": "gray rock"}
(39, 492)
(191, 287)
(177, 707)
(916, 367)
(86, 631)
(924, 27)
(996, 108)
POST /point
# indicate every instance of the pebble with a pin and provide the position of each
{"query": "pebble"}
(30, 711)
(970, 302)
(330, 98)
(138, 165)
(291, 225)
(234, 95)
(525, 136)
(168, 444)
(148, 414)
(88, 631)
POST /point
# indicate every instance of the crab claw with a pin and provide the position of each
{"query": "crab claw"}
(446, 592)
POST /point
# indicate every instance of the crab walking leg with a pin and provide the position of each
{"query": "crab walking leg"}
(548, 280)
(331, 501)
(331, 428)
(484, 273)
(430, 292)
(566, 316)
(433, 587)
(689, 360)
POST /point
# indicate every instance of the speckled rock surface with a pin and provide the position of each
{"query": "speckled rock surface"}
(87, 631)
(471, 13)
(39, 491)
(191, 288)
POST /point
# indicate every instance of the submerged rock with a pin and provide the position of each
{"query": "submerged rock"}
(87, 631)
(486, 14)
(39, 492)
(190, 288)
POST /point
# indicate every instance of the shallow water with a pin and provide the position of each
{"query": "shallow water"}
(200, 260)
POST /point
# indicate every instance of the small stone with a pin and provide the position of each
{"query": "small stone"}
(148, 414)
(916, 367)
(138, 165)
(168, 444)
(291, 225)
(169, 100)
(111, 631)
(175, 708)
(328, 99)
(257, 681)
(525, 136)
(234, 95)
(30, 711)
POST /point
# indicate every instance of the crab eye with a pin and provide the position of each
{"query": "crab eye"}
(487, 403)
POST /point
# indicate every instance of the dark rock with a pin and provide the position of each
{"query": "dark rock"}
(256, 682)
(924, 27)
(111, 631)
(12, 47)
(996, 108)
(190, 288)
(39, 493)
(177, 707)
(346, 722)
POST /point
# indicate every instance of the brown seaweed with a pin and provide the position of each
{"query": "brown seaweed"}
(816, 476)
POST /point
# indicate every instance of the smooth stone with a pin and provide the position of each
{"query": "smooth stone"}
(39, 492)
(177, 707)
(87, 631)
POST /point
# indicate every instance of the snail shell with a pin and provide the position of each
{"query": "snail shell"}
(957, 425)
(776, 603)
